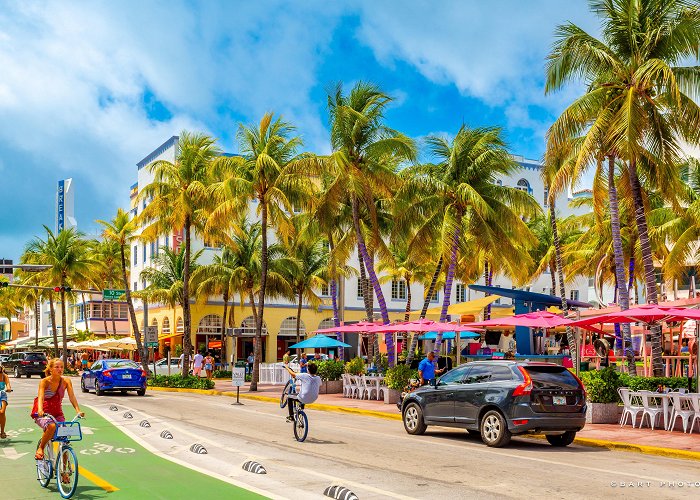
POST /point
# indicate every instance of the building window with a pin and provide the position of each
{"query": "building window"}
(296, 208)
(325, 291)
(574, 295)
(143, 284)
(136, 255)
(144, 253)
(398, 290)
(136, 286)
(546, 196)
(153, 249)
(460, 293)
(523, 185)
(435, 297)
(359, 289)
(167, 242)
(498, 300)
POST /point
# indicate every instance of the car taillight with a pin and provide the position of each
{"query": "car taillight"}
(43, 362)
(106, 373)
(25, 362)
(520, 422)
(144, 374)
(526, 387)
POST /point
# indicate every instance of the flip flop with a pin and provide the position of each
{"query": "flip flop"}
(3, 436)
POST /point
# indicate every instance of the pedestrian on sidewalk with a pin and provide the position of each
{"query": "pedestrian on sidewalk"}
(5, 387)
(303, 363)
(426, 369)
(249, 363)
(84, 360)
(286, 357)
(197, 363)
(209, 365)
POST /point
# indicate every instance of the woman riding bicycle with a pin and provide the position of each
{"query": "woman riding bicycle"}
(52, 388)
(310, 384)
(5, 387)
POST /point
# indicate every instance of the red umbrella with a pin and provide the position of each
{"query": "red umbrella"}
(537, 319)
(361, 327)
(650, 313)
(422, 325)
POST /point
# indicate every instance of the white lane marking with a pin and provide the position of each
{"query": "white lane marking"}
(187, 465)
(12, 454)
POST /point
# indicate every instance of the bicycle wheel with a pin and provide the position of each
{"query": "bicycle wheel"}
(66, 472)
(44, 469)
(285, 393)
(301, 426)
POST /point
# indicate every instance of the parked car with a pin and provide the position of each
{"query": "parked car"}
(114, 375)
(162, 366)
(26, 363)
(501, 399)
(3, 358)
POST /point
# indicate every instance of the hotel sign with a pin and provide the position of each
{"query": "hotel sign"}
(60, 206)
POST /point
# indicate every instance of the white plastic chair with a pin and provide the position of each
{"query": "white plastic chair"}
(631, 407)
(695, 402)
(383, 390)
(346, 385)
(681, 408)
(355, 387)
(370, 387)
(652, 408)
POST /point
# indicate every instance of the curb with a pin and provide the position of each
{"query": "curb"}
(268, 399)
(594, 443)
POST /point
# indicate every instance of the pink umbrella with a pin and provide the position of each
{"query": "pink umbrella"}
(422, 325)
(537, 319)
(361, 327)
(650, 313)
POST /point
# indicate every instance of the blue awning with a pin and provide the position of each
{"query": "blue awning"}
(522, 295)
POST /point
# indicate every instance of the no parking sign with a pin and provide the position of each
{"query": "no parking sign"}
(238, 377)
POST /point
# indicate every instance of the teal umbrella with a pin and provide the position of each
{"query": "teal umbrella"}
(319, 341)
(448, 335)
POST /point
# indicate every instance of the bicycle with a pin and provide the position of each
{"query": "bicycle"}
(64, 466)
(301, 421)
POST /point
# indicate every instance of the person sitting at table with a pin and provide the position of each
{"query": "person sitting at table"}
(426, 369)
(684, 348)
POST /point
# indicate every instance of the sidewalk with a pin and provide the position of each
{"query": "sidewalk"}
(658, 442)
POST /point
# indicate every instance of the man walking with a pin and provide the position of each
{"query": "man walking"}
(426, 369)
(198, 360)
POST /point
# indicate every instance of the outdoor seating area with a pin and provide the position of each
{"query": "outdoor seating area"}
(364, 387)
(658, 409)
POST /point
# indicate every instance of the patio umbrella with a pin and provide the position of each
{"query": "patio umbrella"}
(448, 335)
(361, 327)
(650, 313)
(537, 319)
(127, 344)
(319, 341)
(422, 325)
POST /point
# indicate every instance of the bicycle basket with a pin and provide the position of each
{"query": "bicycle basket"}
(68, 431)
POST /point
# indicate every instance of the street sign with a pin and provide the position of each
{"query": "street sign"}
(112, 294)
(151, 336)
(238, 377)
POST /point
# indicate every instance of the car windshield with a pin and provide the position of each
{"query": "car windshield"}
(551, 377)
(34, 356)
(120, 363)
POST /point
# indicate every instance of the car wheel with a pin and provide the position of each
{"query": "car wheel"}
(28, 375)
(141, 392)
(413, 419)
(561, 440)
(98, 391)
(82, 385)
(123, 392)
(17, 373)
(494, 430)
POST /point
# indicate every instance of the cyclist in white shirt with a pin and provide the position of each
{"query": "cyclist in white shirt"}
(308, 393)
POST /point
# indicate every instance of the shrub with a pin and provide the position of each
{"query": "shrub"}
(601, 385)
(383, 363)
(355, 367)
(178, 381)
(653, 383)
(398, 377)
(331, 369)
(222, 374)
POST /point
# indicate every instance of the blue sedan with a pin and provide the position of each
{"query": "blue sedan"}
(114, 375)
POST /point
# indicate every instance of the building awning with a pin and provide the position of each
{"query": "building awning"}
(537, 298)
(214, 344)
(470, 307)
(169, 336)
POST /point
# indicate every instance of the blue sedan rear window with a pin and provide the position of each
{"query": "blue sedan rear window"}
(121, 363)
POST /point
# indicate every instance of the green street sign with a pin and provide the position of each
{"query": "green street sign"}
(151, 344)
(112, 294)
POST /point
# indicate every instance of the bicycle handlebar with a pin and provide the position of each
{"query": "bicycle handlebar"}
(75, 419)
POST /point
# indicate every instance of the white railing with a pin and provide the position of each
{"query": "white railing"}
(273, 373)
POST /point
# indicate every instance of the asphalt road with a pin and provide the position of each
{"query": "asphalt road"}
(375, 458)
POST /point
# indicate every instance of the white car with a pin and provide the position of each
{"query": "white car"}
(162, 366)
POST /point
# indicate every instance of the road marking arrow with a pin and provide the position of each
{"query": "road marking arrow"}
(87, 430)
(12, 454)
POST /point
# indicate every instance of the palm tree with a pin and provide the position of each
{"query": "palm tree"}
(363, 162)
(167, 283)
(639, 101)
(179, 198)
(107, 255)
(121, 230)
(269, 173)
(463, 188)
(68, 255)
(9, 304)
(310, 253)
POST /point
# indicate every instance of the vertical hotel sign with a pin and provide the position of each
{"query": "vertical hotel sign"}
(60, 206)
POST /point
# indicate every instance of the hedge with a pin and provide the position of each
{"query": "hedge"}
(601, 385)
(178, 381)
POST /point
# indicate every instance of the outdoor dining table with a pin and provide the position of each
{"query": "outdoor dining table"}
(374, 381)
(665, 398)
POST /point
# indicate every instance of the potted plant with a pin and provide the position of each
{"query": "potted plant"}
(397, 378)
(356, 366)
(602, 396)
(330, 372)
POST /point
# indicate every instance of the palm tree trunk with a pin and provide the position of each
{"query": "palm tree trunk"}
(407, 315)
(104, 316)
(623, 292)
(87, 322)
(111, 312)
(570, 337)
(257, 352)
(299, 319)
(64, 349)
(132, 314)
(36, 323)
(647, 261)
(366, 295)
(373, 279)
(552, 271)
(186, 315)
(448, 283)
(334, 296)
(52, 312)
(424, 311)
(256, 338)
(488, 275)
(223, 326)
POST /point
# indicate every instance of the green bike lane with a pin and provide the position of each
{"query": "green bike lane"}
(111, 465)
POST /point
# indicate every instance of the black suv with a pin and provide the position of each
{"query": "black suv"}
(26, 363)
(499, 399)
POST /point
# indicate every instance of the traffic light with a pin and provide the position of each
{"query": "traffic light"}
(64, 288)
(4, 284)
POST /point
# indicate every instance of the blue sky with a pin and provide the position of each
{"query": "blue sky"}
(87, 89)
